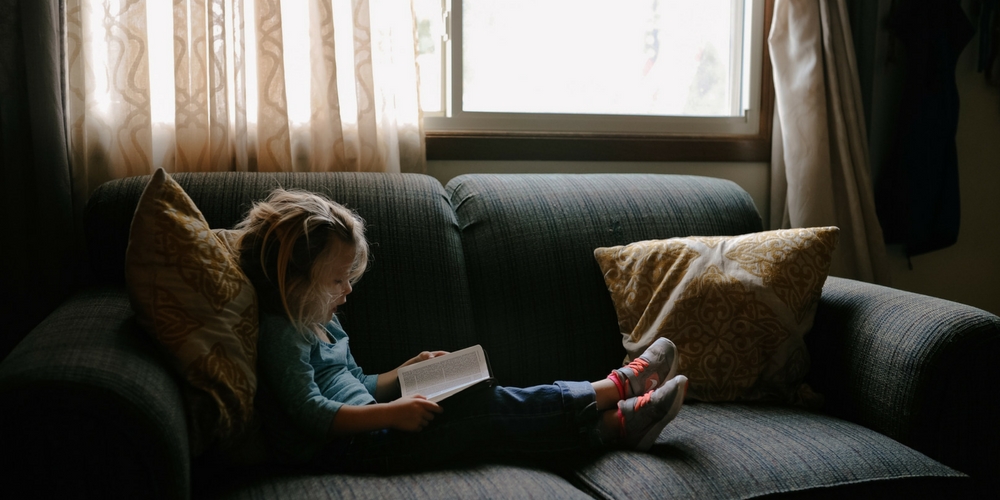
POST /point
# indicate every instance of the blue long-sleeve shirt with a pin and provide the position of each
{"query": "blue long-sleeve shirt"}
(305, 382)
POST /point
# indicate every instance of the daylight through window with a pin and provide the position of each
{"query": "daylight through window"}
(581, 65)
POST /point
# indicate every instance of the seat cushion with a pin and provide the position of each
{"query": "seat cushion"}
(744, 451)
(482, 481)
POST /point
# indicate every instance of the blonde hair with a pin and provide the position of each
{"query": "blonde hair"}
(284, 237)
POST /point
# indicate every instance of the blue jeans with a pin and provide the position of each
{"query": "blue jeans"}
(540, 422)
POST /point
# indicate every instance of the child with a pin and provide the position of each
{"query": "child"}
(303, 253)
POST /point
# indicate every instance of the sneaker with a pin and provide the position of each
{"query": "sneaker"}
(645, 416)
(645, 373)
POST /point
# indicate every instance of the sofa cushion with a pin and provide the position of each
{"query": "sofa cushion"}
(481, 481)
(414, 295)
(737, 307)
(540, 304)
(714, 450)
(189, 293)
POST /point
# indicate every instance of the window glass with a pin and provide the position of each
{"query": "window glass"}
(508, 61)
(658, 57)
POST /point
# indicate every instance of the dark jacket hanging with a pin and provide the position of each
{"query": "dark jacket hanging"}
(917, 191)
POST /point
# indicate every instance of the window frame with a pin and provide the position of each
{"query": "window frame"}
(600, 146)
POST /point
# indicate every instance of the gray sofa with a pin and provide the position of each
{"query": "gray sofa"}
(88, 409)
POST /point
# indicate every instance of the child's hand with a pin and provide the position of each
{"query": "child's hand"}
(413, 413)
(387, 387)
(424, 356)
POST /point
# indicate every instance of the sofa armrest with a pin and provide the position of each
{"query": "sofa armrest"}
(89, 410)
(919, 369)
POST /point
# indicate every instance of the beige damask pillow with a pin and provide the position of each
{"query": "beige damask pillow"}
(189, 293)
(736, 307)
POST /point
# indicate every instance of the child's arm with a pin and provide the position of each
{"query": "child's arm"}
(408, 414)
(387, 386)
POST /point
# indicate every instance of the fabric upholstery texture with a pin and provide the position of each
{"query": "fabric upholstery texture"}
(482, 481)
(85, 395)
(737, 307)
(741, 451)
(529, 242)
(911, 367)
(191, 296)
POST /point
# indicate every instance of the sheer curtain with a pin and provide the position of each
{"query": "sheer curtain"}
(820, 166)
(244, 85)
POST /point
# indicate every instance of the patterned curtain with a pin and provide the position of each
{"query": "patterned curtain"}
(243, 85)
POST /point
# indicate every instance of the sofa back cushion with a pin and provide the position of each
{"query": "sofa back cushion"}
(414, 295)
(541, 306)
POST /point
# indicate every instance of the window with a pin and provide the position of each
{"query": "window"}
(558, 79)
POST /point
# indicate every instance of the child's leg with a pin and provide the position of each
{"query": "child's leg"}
(607, 394)
(539, 421)
(498, 422)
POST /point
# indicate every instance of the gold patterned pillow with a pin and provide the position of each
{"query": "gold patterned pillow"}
(189, 293)
(737, 307)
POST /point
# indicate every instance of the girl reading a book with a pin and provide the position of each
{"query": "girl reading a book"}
(303, 252)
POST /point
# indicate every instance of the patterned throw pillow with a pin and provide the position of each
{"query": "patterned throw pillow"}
(736, 307)
(191, 296)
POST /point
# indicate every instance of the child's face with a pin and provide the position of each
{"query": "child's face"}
(334, 276)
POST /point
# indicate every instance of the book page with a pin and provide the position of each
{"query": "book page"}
(440, 377)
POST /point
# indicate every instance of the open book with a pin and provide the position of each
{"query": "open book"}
(440, 377)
